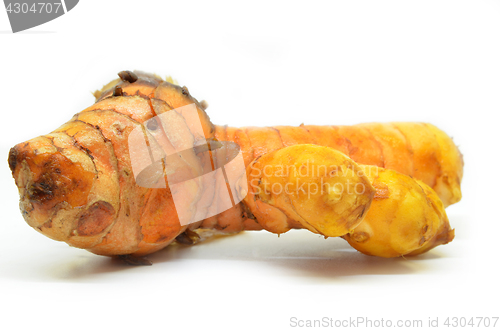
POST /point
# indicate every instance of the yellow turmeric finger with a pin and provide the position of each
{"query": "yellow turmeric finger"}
(406, 217)
(317, 187)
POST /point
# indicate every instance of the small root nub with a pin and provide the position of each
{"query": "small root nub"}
(188, 237)
(204, 104)
(117, 92)
(360, 237)
(128, 76)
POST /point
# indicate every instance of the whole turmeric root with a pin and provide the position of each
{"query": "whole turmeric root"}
(78, 183)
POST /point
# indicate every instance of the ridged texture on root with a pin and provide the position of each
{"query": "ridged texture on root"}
(101, 208)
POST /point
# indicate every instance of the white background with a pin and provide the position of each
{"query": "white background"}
(262, 63)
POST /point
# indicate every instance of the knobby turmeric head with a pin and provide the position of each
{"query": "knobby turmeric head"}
(77, 184)
(56, 181)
